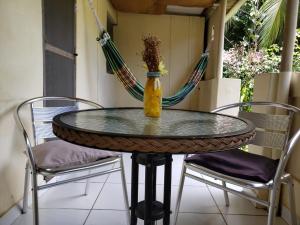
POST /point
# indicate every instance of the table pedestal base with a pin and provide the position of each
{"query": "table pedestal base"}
(151, 210)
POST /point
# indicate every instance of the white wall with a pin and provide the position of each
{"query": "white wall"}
(92, 81)
(213, 36)
(181, 47)
(21, 77)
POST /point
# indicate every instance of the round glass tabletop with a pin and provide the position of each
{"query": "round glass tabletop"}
(131, 122)
(176, 131)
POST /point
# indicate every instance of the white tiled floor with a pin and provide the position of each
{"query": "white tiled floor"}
(104, 204)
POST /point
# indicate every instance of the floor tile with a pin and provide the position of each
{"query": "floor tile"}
(110, 217)
(237, 205)
(114, 217)
(103, 178)
(70, 196)
(111, 197)
(106, 217)
(200, 219)
(250, 220)
(66, 204)
(197, 200)
(174, 192)
(176, 174)
(55, 216)
(176, 170)
(115, 178)
(194, 199)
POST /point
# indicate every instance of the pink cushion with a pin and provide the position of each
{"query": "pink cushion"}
(59, 154)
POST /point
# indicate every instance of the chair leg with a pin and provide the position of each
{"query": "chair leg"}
(180, 189)
(26, 187)
(278, 211)
(87, 184)
(125, 193)
(35, 205)
(272, 206)
(225, 194)
(292, 201)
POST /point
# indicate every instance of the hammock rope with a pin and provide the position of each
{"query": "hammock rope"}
(131, 84)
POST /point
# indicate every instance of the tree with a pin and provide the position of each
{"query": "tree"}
(257, 22)
(272, 16)
(253, 42)
(242, 28)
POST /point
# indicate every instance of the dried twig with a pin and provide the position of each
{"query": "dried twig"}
(151, 54)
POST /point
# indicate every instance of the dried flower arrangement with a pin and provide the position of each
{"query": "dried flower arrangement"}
(151, 55)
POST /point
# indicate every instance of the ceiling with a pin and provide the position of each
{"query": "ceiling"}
(163, 6)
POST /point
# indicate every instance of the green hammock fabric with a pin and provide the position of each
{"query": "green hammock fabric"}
(133, 86)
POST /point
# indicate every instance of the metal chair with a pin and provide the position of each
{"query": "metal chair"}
(38, 134)
(272, 132)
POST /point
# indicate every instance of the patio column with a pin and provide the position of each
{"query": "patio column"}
(287, 51)
(215, 90)
(221, 32)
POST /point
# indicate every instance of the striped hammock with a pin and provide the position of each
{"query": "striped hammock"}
(133, 86)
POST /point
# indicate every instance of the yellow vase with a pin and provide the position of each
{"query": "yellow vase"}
(153, 95)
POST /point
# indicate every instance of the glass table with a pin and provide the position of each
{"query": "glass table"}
(152, 141)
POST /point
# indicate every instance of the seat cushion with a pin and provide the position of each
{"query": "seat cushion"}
(237, 163)
(59, 154)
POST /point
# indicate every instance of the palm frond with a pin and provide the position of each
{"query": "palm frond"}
(272, 18)
(229, 23)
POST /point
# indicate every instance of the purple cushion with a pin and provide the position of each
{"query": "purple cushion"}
(60, 154)
(237, 163)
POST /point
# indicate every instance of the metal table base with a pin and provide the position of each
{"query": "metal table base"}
(150, 209)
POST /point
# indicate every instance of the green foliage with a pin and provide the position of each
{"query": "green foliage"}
(242, 28)
(244, 62)
(253, 39)
(296, 57)
(272, 16)
(258, 22)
